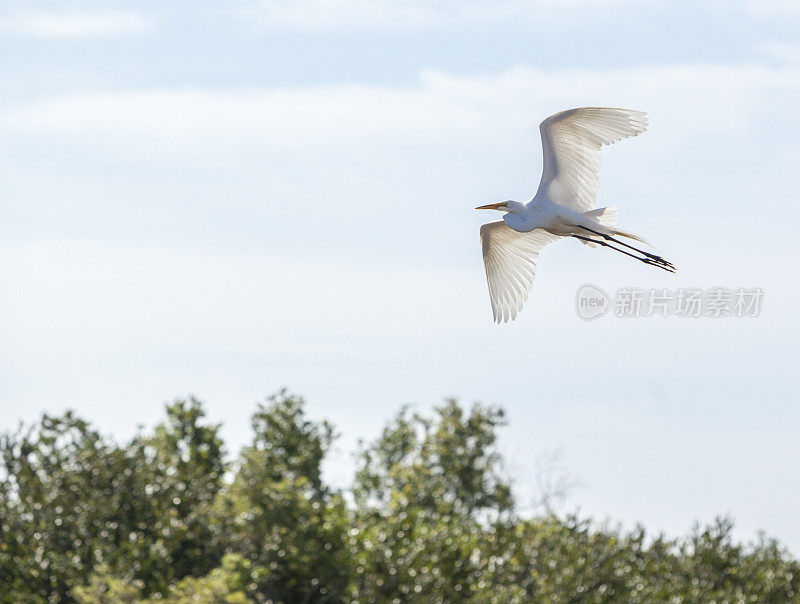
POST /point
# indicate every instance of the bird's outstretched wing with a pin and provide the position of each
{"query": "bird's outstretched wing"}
(510, 260)
(571, 142)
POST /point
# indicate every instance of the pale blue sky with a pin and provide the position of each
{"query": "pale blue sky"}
(227, 198)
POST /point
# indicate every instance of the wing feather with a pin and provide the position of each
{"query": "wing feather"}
(571, 142)
(510, 260)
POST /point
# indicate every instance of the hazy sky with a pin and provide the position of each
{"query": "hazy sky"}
(227, 198)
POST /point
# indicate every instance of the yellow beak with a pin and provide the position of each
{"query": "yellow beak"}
(493, 206)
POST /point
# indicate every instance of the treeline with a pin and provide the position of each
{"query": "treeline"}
(168, 517)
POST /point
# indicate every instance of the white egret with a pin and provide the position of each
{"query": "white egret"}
(564, 205)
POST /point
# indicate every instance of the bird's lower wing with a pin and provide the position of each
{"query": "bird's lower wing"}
(510, 260)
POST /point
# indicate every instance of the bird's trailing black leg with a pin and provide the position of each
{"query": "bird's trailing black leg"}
(650, 255)
(669, 268)
(655, 258)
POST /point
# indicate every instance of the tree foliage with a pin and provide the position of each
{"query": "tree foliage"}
(429, 517)
(279, 513)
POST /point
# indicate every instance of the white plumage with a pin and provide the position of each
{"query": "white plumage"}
(510, 260)
(571, 142)
(564, 204)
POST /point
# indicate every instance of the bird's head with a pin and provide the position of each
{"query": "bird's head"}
(504, 206)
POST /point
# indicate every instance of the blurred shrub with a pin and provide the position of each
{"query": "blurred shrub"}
(429, 518)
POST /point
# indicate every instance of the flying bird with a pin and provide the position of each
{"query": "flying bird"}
(564, 205)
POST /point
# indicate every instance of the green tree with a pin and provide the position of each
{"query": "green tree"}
(432, 504)
(227, 584)
(712, 566)
(65, 504)
(281, 515)
(448, 463)
(430, 518)
(179, 472)
(71, 499)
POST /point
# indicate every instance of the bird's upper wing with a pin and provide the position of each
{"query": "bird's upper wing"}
(571, 142)
(510, 260)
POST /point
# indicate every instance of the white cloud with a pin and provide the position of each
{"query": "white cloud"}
(448, 138)
(59, 284)
(770, 9)
(440, 107)
(392, 15)
(351, 15)
(60, 24)
(786, 52)
(292, 117)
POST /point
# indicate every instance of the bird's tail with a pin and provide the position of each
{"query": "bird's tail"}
(607, 218)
